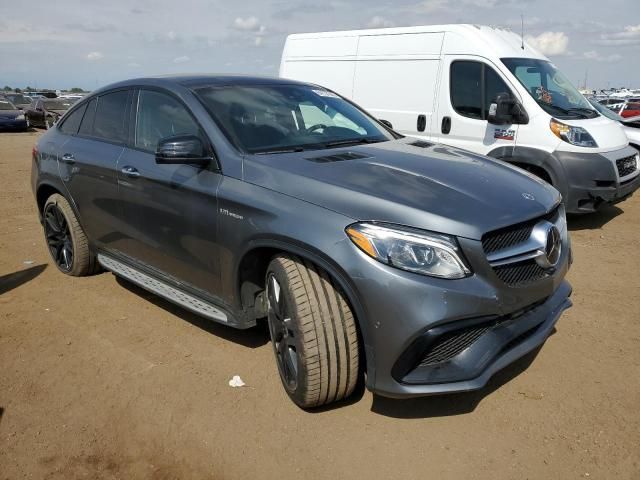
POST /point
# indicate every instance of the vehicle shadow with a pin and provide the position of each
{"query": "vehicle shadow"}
(451, 404)
(251, 338)
(1, 413)
(593, 221)
(13, 280)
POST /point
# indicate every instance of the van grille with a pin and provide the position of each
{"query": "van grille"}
(626, 166)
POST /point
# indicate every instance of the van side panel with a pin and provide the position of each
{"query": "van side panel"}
(399, 91)
(394, 78)
(327, 61)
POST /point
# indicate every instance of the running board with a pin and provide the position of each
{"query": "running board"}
(163, 289)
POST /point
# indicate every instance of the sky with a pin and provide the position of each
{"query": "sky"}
(80, 43)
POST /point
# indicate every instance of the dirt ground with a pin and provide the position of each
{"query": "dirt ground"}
(101, 380)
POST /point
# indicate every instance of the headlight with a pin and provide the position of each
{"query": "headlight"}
(20, 117)
(574, 135)
(410, 249)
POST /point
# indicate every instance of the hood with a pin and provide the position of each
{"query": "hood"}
(408, 182)
(10, 114)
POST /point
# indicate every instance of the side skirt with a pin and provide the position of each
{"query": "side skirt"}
(179, 297)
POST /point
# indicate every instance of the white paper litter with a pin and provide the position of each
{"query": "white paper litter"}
(28, 262)
(236, 381)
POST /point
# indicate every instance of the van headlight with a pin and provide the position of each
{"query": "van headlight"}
(417, 251)
(574, 135)
(20, 117)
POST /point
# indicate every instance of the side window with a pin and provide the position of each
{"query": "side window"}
(86, 126)
(474, 87)
(493, 85)
(161, 116)
(111, 117)
(71, 124)
(466, 88)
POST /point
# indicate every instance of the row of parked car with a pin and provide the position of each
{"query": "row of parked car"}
(20, 112)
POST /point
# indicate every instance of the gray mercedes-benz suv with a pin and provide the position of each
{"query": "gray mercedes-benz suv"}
(425, 267)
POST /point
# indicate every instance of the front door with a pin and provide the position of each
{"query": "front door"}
(170, 211)
(467, 90)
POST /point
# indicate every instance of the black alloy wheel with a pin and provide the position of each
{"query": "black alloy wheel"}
(58, 236)
(283, 336)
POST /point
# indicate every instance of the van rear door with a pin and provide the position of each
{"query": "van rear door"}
(468, 87)
(395, 79)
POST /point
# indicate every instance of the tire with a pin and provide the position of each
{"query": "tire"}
(313, 333)
(63, 231)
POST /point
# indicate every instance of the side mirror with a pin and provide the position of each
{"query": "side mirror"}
(507, 110)
(386, 123)
(182, 149)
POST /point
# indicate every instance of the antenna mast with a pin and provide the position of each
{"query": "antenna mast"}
(522, 31)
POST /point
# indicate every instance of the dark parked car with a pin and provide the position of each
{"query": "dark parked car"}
(427, 267)
(19, 100)
(45, 112)
(11, 117)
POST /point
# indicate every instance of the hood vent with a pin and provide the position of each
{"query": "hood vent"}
(421, 144)
(338, 157)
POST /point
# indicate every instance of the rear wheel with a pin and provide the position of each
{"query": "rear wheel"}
(67, 243)
(313, 333)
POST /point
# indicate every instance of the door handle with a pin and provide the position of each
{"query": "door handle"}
(130, 172)
(446, 125)
(422, 123)
(68, 158)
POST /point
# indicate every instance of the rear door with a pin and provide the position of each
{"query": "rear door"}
(467, 89)
(87, 164)
(170, 211)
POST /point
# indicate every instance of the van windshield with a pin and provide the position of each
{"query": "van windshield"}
(264, 119)
(550, 88)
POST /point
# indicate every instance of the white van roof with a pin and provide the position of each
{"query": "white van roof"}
(461, 39)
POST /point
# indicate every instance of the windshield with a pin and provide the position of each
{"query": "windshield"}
(281, 118)
(605, 110)
(549, 87)
(58, 104)
(6, 105)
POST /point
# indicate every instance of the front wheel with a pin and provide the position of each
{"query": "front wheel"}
(313, 333)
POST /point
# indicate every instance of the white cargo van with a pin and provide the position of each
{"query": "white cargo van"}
(478, 88)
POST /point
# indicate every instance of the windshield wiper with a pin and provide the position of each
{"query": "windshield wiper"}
(579, 111)
(352, 141)
(292, 149)
(587, 112)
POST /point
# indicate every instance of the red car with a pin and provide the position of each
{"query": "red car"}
(626, 108)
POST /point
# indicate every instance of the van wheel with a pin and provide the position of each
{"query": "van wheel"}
(67, 243)
(313, 332)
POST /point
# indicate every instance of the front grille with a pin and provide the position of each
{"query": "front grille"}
(512, 235)
(626, 166)
(521, 274)
(450, 345)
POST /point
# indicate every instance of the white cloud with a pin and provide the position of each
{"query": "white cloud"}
(549, 43)
(630, 36)
(257, 41)
(380, 22)
(249, 24)
(172, 35)
(595, 56)
(92, 56)
(181, 59)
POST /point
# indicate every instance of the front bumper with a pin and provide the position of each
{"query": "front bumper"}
(593, 179)
(398, 310)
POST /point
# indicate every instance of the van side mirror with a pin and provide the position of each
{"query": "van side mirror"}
(182, 149)
(507, 110)
(386, 123)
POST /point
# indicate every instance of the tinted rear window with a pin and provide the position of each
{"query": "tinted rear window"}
(86, 127)
(111, 115)
(72, 122)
